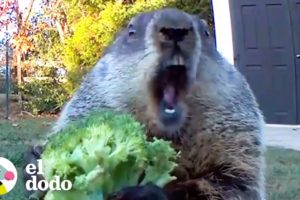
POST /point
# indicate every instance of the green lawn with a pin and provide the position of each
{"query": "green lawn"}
(14, 139)
(283, 166)
(283, 174)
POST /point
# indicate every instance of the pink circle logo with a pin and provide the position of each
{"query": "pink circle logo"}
(8, 176)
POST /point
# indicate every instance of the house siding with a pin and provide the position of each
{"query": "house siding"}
(223, 29)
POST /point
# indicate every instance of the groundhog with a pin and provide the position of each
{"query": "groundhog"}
(164, 69)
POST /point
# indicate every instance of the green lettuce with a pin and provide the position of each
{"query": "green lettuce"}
(103, 153)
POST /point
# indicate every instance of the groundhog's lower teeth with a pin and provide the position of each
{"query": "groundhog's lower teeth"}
(170, 111)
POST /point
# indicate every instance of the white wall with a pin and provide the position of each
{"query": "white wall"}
(223, 28)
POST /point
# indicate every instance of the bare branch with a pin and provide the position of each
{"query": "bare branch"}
(29, 9)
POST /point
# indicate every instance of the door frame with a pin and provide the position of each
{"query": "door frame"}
(293, 19)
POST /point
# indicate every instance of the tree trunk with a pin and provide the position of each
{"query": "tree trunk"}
(19, 74)
(19, 68)
(60, 31)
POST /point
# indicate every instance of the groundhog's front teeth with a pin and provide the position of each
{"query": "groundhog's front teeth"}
(178, 60)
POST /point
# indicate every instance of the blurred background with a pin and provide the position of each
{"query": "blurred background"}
(47, 46)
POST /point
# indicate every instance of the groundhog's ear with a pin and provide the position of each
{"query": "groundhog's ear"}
(204, 22)
(200, 21)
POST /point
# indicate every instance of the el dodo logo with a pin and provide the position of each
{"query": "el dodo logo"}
(56, 184)
(8, 176)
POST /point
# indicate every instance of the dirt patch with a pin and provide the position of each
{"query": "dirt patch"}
(14, 109)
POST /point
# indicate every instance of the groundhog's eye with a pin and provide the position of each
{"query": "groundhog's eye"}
(206, 33)
(131, 30)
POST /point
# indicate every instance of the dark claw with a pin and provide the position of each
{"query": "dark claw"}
(176, 191)
(37, 151)
(147, 192)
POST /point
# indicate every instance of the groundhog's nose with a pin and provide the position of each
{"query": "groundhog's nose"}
(176, 35)
(173, 25)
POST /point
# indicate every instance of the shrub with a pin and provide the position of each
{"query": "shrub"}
(43, 96)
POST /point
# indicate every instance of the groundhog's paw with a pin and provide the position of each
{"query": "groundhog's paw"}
(30, 157)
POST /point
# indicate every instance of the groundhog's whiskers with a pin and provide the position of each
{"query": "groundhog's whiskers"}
(144, 57)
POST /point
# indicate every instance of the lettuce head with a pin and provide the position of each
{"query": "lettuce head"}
(104, 152)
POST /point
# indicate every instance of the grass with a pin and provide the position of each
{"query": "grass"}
(283, 174)
(15, 137)
(283, 166)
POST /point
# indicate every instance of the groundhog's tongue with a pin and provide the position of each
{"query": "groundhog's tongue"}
(169, 99)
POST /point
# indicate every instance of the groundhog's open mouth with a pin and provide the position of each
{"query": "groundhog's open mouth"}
(169, 87)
